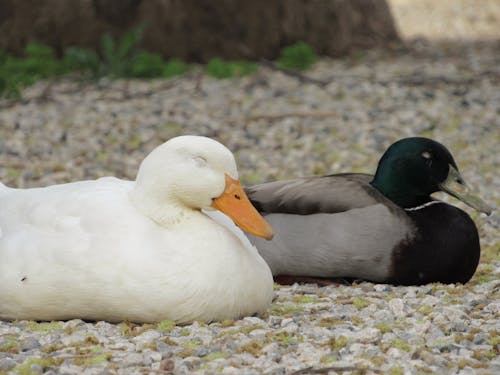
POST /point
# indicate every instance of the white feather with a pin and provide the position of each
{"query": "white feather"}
(142, 251)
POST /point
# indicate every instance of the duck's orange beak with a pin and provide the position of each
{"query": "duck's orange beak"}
(235, 204)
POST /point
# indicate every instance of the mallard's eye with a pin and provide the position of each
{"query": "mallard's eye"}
(426, 155)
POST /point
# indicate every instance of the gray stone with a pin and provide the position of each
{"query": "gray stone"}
(7, 364)
(30, 345)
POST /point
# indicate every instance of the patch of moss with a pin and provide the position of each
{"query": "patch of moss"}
(192, 344)
(253, 347)
(383, 327)
(304, 299)
(11, 345)
(458, 338)
(52, 348)
(482, 355)
(94, 360)
(425, 309)
(43, 327)
(284, 338)
(360, 303)
(168, 341)
(330, 322)
(337, 343)
(462, 362)
(357, 321)
(187, 352)
(285, 309)
(215, 355)
(45, 363)
(395, 370)
(328, 359)
(494, 338)
(91, 339)
(166, 325)
(400, 344)
(377, 360)
(131, 329)
(245, 330)
(227, 323)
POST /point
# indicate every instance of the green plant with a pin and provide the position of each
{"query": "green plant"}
(117, 56)
(83, 60)
(147, 65)
(174, 67)
(121, 58)
(299, 56)
(39, 63)
(219, 68)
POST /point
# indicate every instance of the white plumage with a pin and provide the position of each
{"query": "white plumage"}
(143, 251)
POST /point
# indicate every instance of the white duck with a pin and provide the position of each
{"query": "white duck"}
(142, 251)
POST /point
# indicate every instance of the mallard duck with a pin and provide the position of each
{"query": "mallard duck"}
(384, 228)
(138, 250)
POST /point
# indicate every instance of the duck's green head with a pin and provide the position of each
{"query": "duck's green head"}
(413, 168)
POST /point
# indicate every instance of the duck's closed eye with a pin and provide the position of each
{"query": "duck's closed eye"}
(200, 161)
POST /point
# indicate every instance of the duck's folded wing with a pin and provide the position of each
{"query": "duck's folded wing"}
(311, 195)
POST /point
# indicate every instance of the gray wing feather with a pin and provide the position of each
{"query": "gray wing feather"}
(311, 195)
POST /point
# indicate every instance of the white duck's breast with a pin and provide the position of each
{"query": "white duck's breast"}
(83, 250)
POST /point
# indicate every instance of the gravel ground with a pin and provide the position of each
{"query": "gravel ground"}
(278, 127)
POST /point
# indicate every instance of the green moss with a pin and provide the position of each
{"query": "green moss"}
(126, 328)
(43, 327)
(91, 339)
(215, 355)
(383, 327)
(93, 360)
(166, 325)
(400, 344)
(51, 348)
(328, 359)
(304, 299)
(357, 321)
(494, 338)
(329, 322)
(11, 345)
(337, 343)
(285, 309)
(187, 352)
(253, 347)
(360, 303)
(45, 363)
(227, 323)
(192, 344)
(377, 360)
(461, 363)
(131, 329)
(395, 370)
(425, 309)
(482, 355)
(168, 341)
(284, 338)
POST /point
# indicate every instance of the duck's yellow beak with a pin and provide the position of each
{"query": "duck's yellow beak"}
(235, 204)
